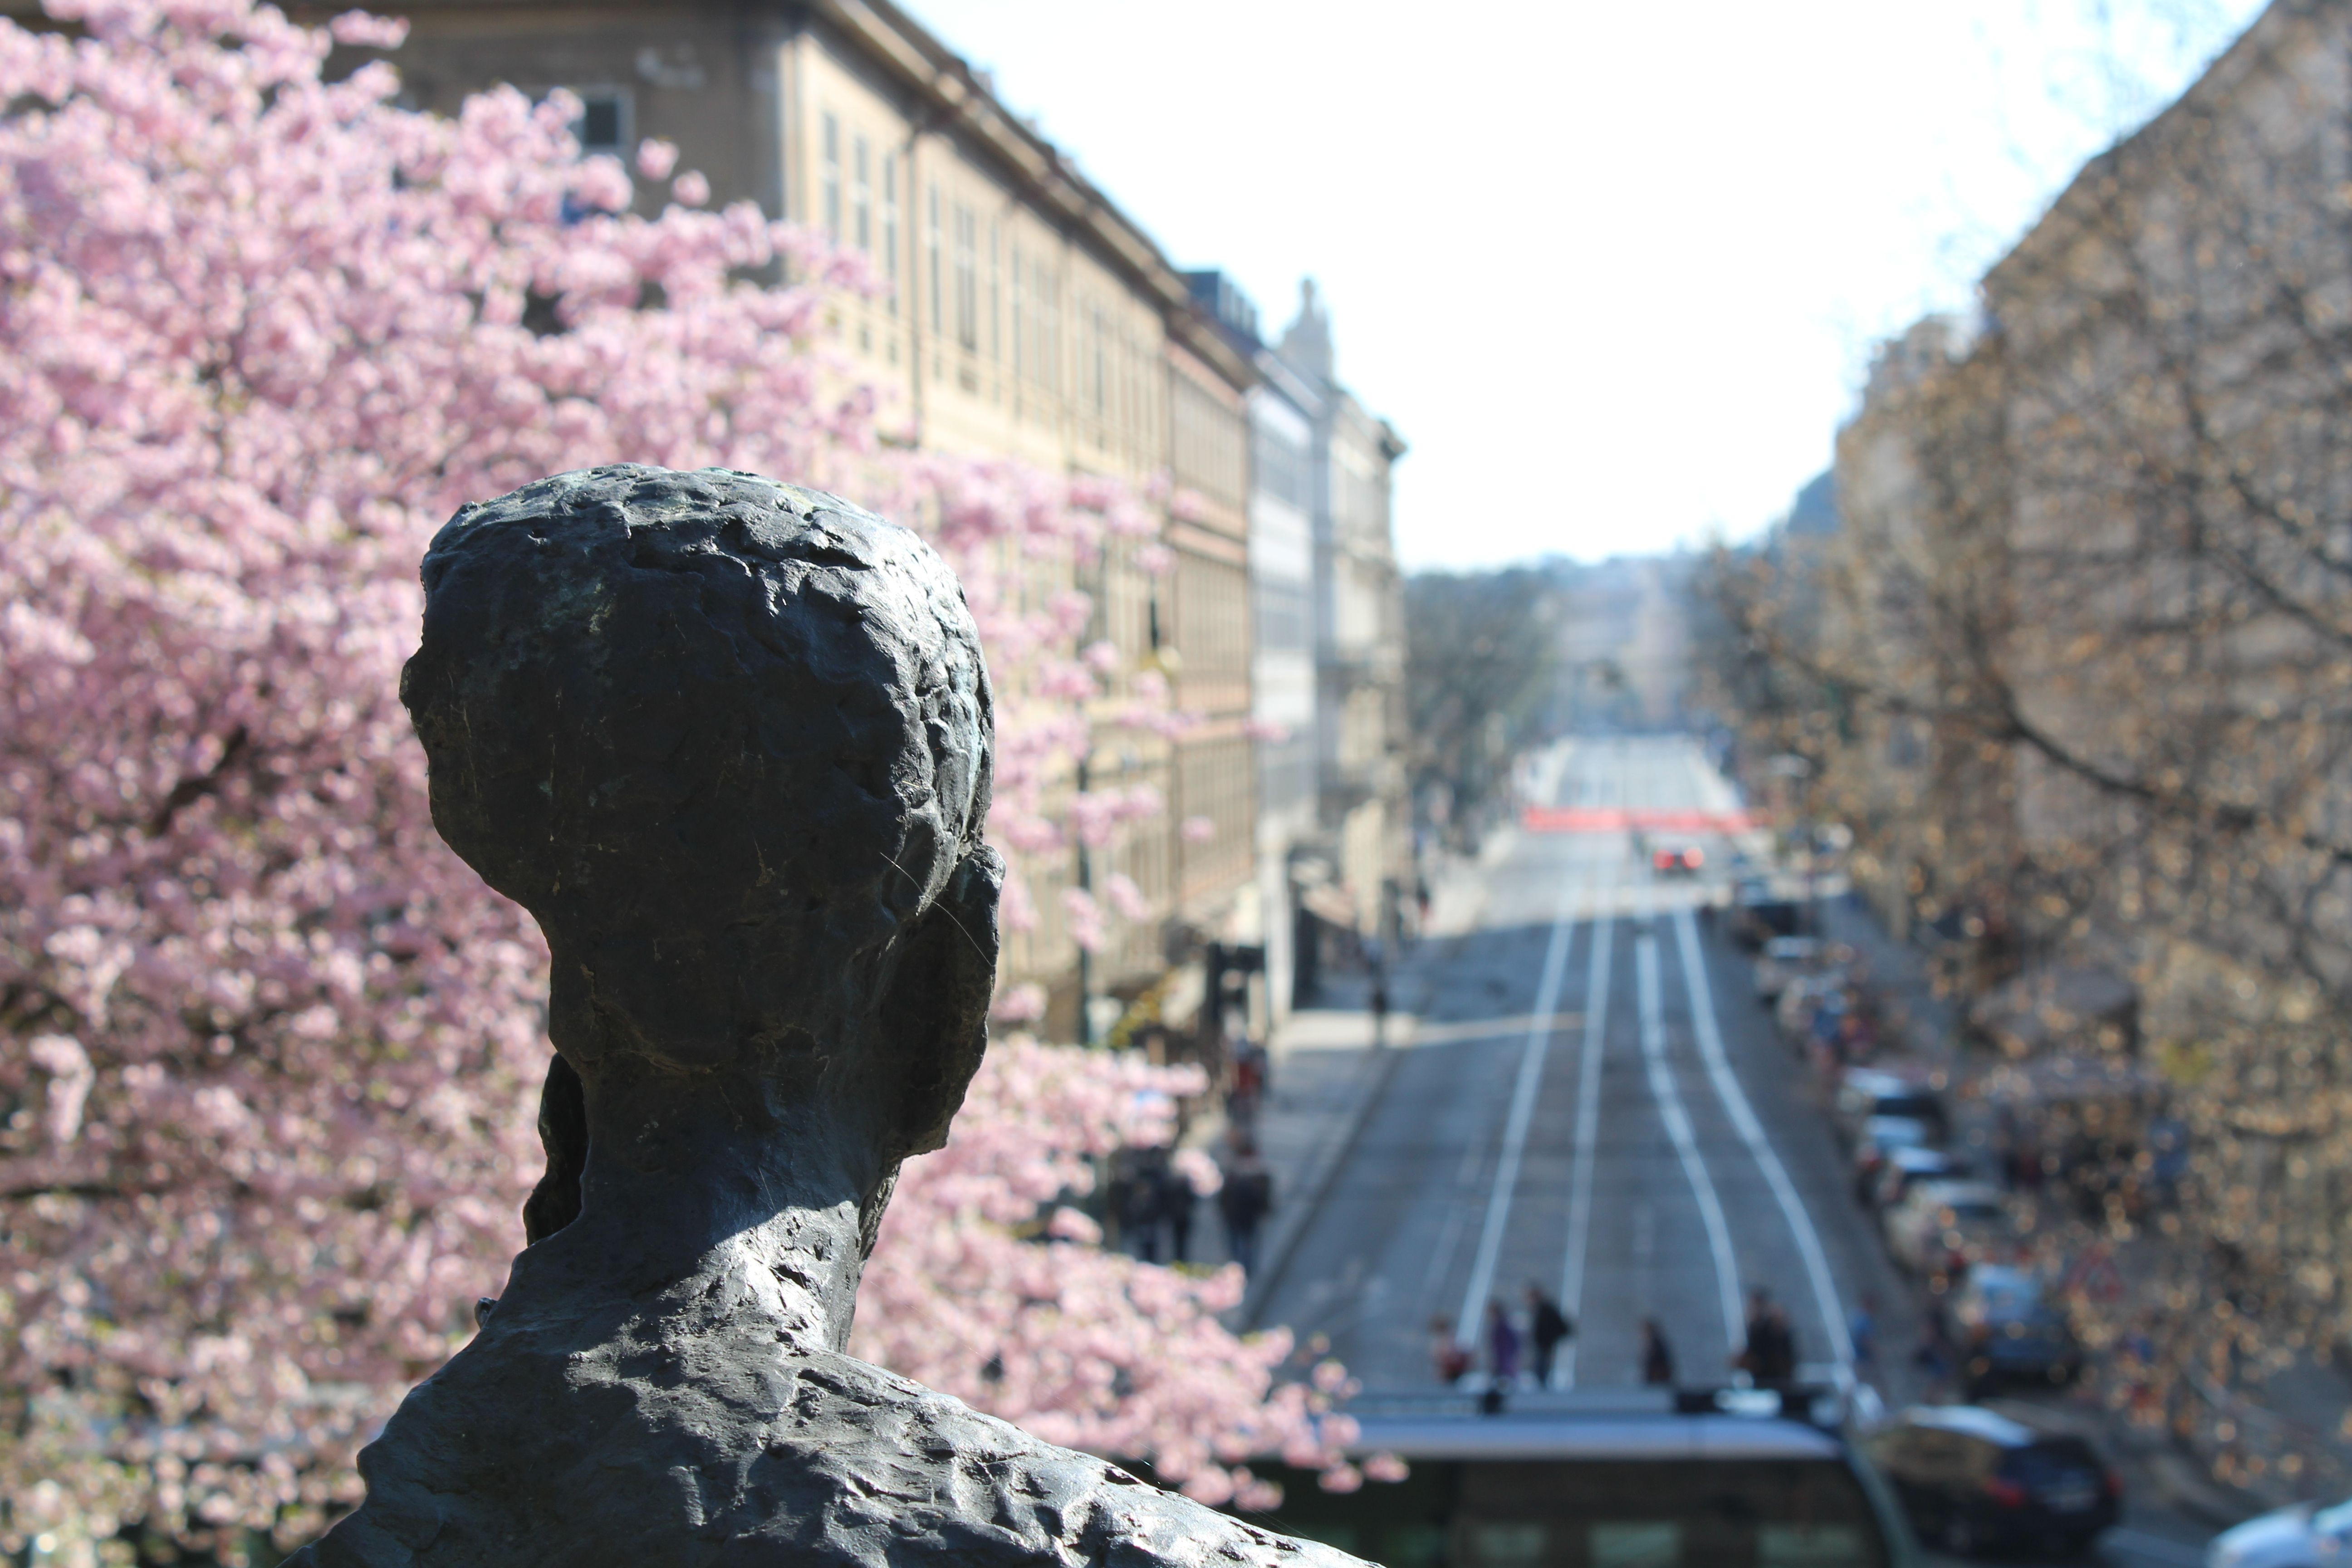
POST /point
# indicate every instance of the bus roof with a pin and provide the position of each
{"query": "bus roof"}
(1598, 1435)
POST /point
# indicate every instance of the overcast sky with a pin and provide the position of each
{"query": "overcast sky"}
(1612, 271)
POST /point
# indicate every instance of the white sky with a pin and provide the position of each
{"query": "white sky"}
(1612, 271)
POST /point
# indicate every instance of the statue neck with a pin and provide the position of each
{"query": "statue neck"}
(699, 1195)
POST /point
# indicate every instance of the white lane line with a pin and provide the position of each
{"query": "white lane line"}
(1523, 1110)
(1751, 1132)
(1678, 1130)
(1588, 1134)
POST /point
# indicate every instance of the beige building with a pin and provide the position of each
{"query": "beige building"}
(2080, 675)
(1023, 315)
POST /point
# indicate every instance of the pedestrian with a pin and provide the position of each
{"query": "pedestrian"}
(1862, 1330)
(1139, 1214)
(1246, 1199)
(1178, 1201)
(1446, 1352)
(1780, 1349)
(1546, 1326)
(1934, 1356)
(1769, 1359)
(1755, 1340)
(1501, 1346)
(1379, 1004)
(1249, 1081)
(1657, 1356)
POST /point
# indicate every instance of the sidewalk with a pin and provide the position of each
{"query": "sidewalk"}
(1325, 1074)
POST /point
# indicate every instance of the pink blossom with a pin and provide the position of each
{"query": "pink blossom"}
(1022, 1004)
(1086, 918)
(691, 189)
(656, 158)
(265, 332)
(1125, 897)
(1198, 830)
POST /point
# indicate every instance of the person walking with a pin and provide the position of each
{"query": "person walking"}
(1178, 1201)
(1138, 1219)
(1502, 1345)
(1769, 1359)
(1657, 1355)
(1446, 1354)
(1246, 1199)
(1780, 1355)
(1548, 1326)
(1862, 1330)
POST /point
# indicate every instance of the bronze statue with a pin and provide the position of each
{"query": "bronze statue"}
(728, 741)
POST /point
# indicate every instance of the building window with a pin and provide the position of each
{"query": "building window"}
(829, 179)
(861, 197)
(1049, 329)
(1019, 314)
(967, 278)
(995, 343)
(939, 314)
(604, 123)
(890, 226)
(1102, 400)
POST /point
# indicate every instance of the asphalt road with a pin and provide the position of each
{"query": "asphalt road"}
(1594, 1103)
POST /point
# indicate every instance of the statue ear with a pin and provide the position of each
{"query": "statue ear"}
(935, 1019)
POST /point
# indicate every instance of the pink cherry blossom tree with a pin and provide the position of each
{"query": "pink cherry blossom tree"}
(268, 1049)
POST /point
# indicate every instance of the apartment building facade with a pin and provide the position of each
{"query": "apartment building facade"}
(1021, 314)
(2088, 626)
(1334, 824)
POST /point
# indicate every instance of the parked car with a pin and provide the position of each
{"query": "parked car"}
(1785, 958)
(1758, 914)
(1943, 1227)
(1881, 1135)
(1677, 857)
(1805, 998)
(1908, 1166)
(1865, 1092)
(2298, 1537)
(2008, 1332)
(1977, 1479)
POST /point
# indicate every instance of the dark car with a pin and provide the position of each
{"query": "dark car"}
(1758, 914)
(1675, 858)
(1978, 1479)
(2008, 1331)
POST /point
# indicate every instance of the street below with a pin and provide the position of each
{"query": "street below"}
(1589, 1102)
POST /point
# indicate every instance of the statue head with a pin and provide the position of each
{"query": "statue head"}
(728, 741)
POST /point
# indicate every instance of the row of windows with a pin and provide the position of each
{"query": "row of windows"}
(1283, 623)
(1213, 617)
(1215, 779)
(859, 229)
(989, 296)
(1284, 470)
(1209, 453)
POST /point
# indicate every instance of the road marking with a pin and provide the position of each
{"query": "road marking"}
(1588, 1134)
(1751, 1132)
(1523, 1110)
(1470, 1029)
(1678, 1130)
